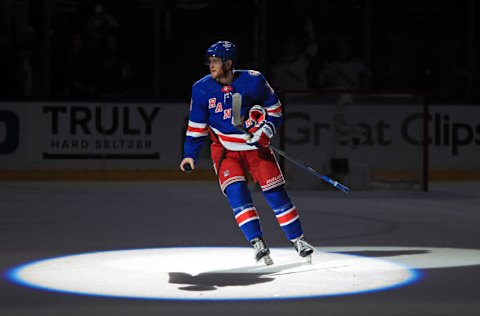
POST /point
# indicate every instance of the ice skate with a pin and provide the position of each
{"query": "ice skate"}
(261, 251)
(304, 249)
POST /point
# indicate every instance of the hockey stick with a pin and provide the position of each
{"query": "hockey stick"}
(238, 124)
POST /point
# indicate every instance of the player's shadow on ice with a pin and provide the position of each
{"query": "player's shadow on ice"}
(210, 281)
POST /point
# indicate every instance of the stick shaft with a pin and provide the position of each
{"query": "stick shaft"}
(237, 122)
(304, 166)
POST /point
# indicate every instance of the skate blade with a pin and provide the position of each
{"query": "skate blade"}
(268, 260)
(308, 258)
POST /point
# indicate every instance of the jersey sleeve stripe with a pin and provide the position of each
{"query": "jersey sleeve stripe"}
(275, 110)
(197, 129)
(197, 125)
(193, 134)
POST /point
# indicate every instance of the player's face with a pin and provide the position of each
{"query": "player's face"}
(216, 67)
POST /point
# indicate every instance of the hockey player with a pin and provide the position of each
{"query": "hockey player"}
(233, 153)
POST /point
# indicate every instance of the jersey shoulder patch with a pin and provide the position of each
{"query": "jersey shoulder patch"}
(254, 73)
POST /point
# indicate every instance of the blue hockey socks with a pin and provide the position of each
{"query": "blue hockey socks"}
(245, 213)
(285, 211)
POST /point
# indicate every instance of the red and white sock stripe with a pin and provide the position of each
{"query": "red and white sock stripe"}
(245, 216)
(287, 217)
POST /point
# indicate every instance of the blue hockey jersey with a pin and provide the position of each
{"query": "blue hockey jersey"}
(211, 107)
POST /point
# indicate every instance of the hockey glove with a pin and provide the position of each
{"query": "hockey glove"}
(261, 137)
(257, 114)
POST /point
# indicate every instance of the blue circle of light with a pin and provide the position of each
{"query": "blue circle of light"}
(14, 275)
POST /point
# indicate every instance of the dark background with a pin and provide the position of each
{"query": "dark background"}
(65, 50)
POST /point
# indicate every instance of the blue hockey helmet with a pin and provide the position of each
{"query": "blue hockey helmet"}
(225, 50)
